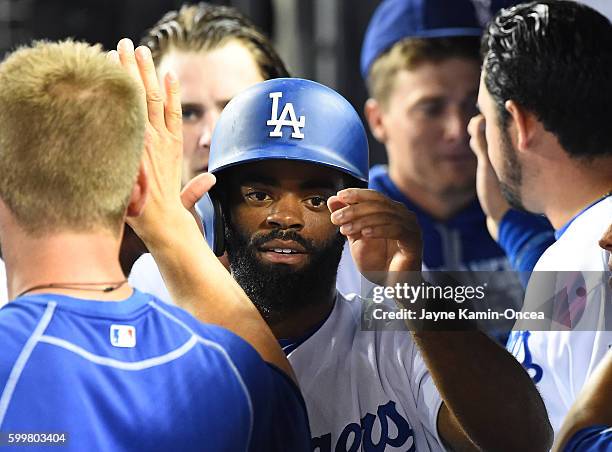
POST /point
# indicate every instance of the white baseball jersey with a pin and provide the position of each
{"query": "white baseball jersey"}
(145, 276)
(560, 362)
(365, 390)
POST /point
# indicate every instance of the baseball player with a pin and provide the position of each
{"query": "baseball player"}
(286, 152)
(216, 53)
(420, 60)
(546, 101)
(87, 362)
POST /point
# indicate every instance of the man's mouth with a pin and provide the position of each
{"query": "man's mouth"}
(283, 252)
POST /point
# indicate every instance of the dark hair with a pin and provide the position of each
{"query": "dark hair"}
(554, 58)
(205, 27)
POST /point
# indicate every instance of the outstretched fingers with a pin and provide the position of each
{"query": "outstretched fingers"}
(155, 100)
(125, 49)
(173, 113)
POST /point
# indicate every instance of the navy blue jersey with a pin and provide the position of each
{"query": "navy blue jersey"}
(139, 375)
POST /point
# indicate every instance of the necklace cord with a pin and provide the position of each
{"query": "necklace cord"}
(110, 286)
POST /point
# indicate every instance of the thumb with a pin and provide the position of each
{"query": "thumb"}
(196, 188)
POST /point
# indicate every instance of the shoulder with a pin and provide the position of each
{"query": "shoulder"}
(18, 321)
(577, 249)
(359, 324)
(209, 335)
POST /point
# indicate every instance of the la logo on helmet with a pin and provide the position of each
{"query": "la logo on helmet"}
(280, 122)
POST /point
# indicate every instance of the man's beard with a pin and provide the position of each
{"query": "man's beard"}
(278, 290)
(511, 186)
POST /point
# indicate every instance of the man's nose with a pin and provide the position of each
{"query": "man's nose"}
(286, 213)
(210, 121)
(205, 136)
(455, 126)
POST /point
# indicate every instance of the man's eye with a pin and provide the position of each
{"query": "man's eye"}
(317, 201)
(191, 114)
(257, 196)
(432, 109)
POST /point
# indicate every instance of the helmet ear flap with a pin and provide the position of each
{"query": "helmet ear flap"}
(213, 224)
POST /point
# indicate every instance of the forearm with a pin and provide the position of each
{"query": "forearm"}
(592, 407)
(198, 282)
(486, 390)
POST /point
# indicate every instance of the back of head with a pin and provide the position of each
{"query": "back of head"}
(405, 33)
(554, 58)
(291, 119)
(71, 137)
(204, 27)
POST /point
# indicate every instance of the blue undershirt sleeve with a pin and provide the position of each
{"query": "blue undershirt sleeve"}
(524, 237)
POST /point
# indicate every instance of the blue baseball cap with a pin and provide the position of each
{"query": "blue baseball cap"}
(395, 20)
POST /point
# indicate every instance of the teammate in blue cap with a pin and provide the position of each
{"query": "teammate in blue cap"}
(421, 62)
(291, 160)
(87, 362)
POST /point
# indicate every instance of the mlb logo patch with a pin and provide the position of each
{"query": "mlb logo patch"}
(123, 336)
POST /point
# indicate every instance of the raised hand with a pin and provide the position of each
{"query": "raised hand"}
(163, 151)
(487, 185)
(384, 235)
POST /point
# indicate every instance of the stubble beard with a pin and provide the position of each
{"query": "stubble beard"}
(513, 173)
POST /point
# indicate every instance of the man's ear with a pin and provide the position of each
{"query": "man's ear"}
(526, 125)
(374, 115)
(139, 193)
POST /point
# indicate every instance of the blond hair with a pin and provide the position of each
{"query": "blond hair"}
(205, 27)
(71, 137)
(409, 53)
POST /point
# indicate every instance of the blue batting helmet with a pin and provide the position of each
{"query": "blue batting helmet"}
(292, 119)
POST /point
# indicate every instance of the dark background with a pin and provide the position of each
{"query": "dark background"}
(317, 39)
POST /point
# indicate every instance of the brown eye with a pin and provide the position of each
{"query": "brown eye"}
(257, 196)
(317, 201)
